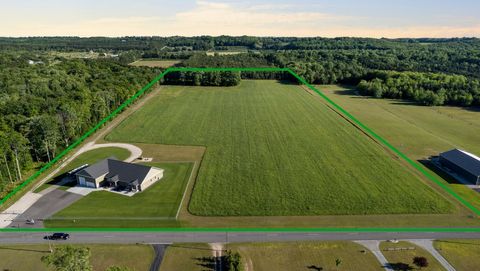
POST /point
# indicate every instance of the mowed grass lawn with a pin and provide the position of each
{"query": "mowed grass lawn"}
(162, 199)
(187, 257)
(462, 254)
(417, 131)
(28, 257)
(286, 256)
(397, 258)
(274, 149)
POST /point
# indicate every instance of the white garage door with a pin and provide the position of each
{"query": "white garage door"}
(81, 181)
(90, 184)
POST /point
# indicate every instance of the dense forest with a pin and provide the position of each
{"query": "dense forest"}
(48, 100)
(315, 57)
(424, 88)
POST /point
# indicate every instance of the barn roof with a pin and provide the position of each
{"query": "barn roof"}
(469, 162)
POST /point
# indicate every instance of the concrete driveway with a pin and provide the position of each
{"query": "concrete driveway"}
(45, 207)
(18, 208)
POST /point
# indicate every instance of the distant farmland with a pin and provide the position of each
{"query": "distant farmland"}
(155, 63)
(273, 149)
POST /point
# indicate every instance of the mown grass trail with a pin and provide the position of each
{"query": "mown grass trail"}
(273, 149)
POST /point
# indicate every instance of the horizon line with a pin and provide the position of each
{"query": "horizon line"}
(237, 36)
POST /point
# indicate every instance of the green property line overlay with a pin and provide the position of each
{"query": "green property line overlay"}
(270, 69)
(246, 230)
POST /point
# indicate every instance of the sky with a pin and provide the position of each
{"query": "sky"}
(326, 18)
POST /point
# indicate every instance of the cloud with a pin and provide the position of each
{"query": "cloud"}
(220, 18)
(271, 7)
(216, 18)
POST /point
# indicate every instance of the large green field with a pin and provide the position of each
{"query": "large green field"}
(103, 209)
(274, 149)
(417, 131)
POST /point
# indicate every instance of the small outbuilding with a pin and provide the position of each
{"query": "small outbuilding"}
(463, 163)
(119, 175)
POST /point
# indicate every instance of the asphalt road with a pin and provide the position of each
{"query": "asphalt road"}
(220, 237)
(45, 207)
(159, 253)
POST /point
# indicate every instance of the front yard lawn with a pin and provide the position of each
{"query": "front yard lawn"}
(107, 209)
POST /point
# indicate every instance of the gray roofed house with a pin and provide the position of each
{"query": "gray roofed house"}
(117, 174)
(464, 163)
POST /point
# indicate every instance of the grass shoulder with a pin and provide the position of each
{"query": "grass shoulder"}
(461, 254)
(401, 254)
(28, 257)
(312, 255)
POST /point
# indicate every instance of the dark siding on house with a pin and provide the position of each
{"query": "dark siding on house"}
(465, 165)
(467, 175)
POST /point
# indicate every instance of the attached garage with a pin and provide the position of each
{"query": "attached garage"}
(119, 175)
(81, 181)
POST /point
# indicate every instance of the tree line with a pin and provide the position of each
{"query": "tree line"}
(213, 78)
(427, 88)
(220, 78)
(46, 106)
(424, 88)
(451, 56)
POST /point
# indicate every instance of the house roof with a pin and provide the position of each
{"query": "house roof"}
(469, 162)
(123, 171)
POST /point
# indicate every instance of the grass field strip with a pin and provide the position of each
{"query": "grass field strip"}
(301, 80)
(391, 147)
(194, 169)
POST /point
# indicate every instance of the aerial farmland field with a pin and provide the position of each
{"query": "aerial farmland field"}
(272, 149)
(155, 63)
(418, 131)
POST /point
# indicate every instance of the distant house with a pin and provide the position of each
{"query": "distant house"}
(31, 62)
(118, 175)
(463, 163)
